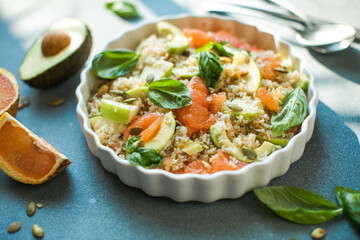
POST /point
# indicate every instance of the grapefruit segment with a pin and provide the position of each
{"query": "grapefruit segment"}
(9, 93)
(197, 37)
(24, 156)
(197, 116)
(198, 167)
(221, 162)
(268, 100)
(142, 122)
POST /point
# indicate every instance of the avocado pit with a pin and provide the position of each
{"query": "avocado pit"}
(54, 42)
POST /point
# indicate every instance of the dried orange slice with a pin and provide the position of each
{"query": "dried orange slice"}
(24, 156)
(9, 93)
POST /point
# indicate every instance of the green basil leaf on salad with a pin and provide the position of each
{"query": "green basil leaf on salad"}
(293, 112)
(145, 157)
(123, 9)
(114, 63)
(132, 144)
(169, 93)
(225, 49)
(298, 205)
(210, 68)
(349, 200)
(207, 47)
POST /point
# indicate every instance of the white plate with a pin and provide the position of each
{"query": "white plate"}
(204, 188)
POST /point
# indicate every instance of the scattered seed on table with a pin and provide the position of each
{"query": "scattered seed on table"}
(318, 233)
(14, 227)
(37, 231)
(39, 205)
(56, 102)
(25, 101)
(30, 210)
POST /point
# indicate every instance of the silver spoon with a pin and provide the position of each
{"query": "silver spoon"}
(323, 38)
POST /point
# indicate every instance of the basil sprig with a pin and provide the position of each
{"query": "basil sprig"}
(298, 205)
(210, 68)
(293, 112)
(145, 157)
(114, 63)
(169, 93)
(349, 200)
(207, 47)
(123, 9)
(225, 49)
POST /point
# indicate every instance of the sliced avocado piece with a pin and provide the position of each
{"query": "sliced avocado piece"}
(185, 72)
(160, 69)
(192, 148)
(178, 42)
(117, 111)
(245, 107)
(220, 139)
(164, 135)
(140, 92)
(99, 122)
(265, 149)
(244, 63)
(276, 141)
(56, 54)
(303, 82)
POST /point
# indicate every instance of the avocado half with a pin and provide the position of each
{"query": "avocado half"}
(57, 54)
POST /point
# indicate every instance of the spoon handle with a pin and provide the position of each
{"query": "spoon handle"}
(293, 10)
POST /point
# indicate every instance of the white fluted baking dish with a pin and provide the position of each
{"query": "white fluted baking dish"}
(204, 188)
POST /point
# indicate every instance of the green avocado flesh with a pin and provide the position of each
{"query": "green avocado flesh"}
(220, 139)
(178, 41)
(39, 71)
(164, 135)
(117, 111)
(99, 122)
(243, 62)
(192, 148)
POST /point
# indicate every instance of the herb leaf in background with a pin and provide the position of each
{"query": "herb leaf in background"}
(207, 47)
(349, 200)
(297, 205)
(169, 93)
(225, 49)
(114, 63)
(123, 9)
(145, 157)
(293, 112)
(210, 68)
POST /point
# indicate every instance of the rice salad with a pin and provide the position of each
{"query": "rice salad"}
(192, 101)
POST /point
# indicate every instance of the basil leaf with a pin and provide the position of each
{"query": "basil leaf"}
(297, 205)
(146, 157)
(210, 68)
(114, 63)
(293, 112)
(123, 9)
(349, 199)
(225, 49)
(132, 144)
(169, 93)
(207, 47)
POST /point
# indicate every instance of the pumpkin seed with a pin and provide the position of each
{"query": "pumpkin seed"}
(186, 53)
(167, 56)
(281, 70)
(56, 102)
(318, 233)
(39, 205)
(104, 89)
(30, 209)
(37, 231)
(150, 78)
(135, 130)
(14, 227)
(234, 107)
(249, 153)
(129, 100)
(120, 93)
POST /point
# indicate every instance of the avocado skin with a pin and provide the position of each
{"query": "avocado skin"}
(65, 69)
